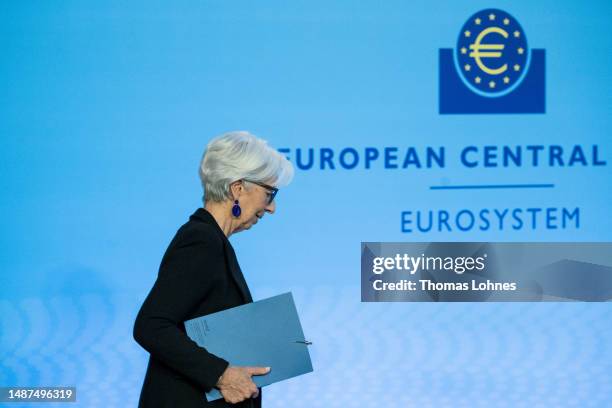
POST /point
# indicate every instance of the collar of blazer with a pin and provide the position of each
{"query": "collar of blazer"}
(230, 256)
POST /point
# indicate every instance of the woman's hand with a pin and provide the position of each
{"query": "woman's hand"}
(236, 384)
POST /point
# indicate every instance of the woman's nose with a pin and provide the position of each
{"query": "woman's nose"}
(271, 207)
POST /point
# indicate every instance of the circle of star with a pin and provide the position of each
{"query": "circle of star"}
(506, 65)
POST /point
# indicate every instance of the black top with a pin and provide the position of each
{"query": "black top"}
(199, 274)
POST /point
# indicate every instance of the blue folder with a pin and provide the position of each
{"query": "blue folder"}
(266, 333)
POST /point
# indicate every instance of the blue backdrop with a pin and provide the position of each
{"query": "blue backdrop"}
(107, 107)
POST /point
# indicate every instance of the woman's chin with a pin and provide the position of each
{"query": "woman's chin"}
(247, 226)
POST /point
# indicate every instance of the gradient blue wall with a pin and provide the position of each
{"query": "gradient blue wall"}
(106, 109)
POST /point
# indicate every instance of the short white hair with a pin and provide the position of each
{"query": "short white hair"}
(240, 155)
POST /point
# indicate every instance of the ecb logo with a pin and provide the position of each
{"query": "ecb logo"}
(492, 69)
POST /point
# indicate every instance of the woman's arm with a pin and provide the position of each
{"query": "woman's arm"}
(187, 274)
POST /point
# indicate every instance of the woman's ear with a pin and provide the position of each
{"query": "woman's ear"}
(236, 189)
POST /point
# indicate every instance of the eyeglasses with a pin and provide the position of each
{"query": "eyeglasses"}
(273, 190)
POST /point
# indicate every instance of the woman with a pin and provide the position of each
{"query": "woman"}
(199, 275)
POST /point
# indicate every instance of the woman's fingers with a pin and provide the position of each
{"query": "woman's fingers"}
(257, 370)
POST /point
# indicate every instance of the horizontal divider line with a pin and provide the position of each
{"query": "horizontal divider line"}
(491, 186)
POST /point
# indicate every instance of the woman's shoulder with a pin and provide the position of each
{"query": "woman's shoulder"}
(200, 230)
(193, 243)
(195, 231)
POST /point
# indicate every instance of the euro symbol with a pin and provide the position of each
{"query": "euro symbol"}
(477, 54)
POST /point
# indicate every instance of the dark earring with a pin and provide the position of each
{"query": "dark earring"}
(236, 210)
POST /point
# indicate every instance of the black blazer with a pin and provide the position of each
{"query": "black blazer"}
(199, 274)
